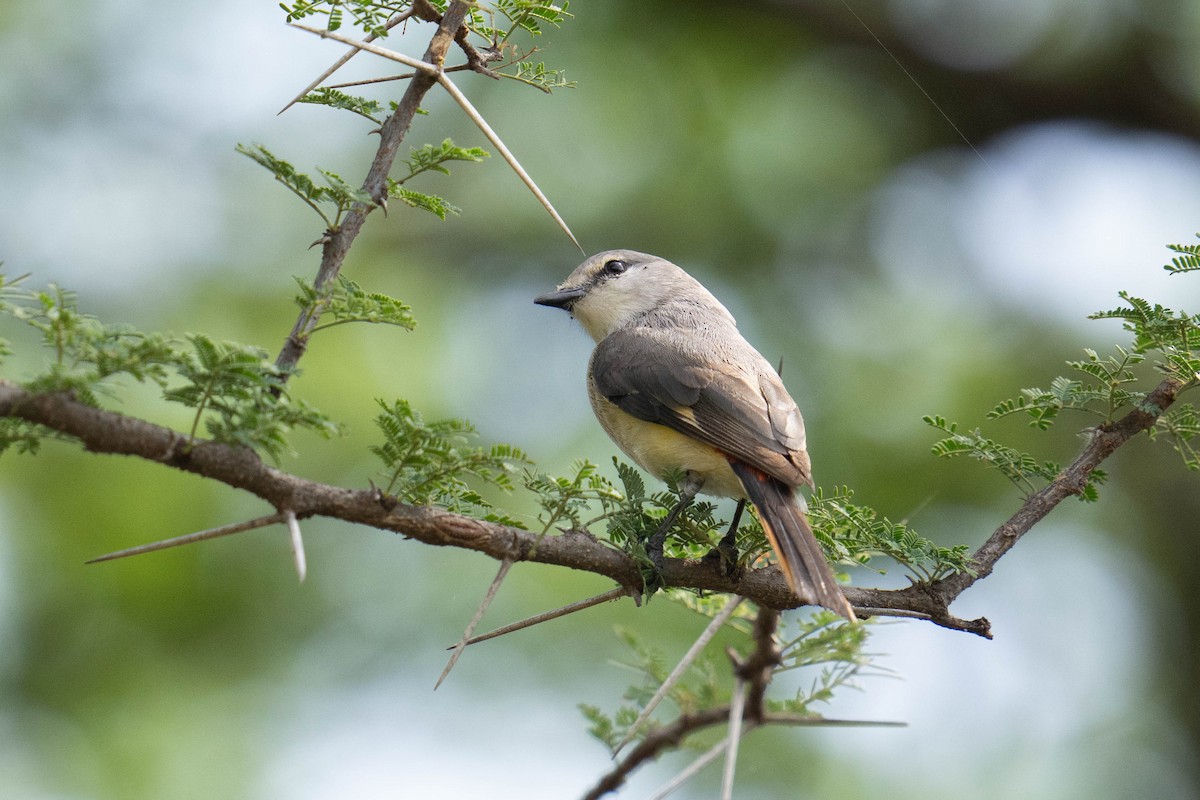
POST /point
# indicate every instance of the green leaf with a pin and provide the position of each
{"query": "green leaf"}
(371, 109)
(427, 463)
(1188, 260)
(349, 302)
(429, 202)
(539, 76)
(1181, 423)
(1020, 468)
(435, 157)
(368, 15)
(336, 193)
(856, 534)
(242, 398)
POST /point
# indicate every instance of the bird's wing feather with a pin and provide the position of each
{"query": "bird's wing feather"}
(710, 396)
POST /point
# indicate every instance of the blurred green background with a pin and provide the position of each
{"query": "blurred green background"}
(782, 153)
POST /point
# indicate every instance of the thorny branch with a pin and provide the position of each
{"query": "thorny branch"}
(102, 431)
(335, 244)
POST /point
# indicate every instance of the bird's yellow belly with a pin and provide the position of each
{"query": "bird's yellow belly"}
(660, 450)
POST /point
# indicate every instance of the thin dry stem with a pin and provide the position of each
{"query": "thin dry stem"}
(736, 707)
(691, 770)
(546, 616)
(689, 657)
(505, 565)
(199, 536)
(341, 62)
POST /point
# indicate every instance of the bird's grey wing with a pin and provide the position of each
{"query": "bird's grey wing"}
(732, 401)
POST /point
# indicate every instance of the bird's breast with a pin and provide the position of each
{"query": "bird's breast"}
(660, 450)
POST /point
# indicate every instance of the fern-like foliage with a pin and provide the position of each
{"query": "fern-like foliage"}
(830, 650)
(1025, 471)
(369, 15)
(1174, 336)
(349, 302)
(1103, 399)
(428, 463)
(85, 352)
(330, 202)
(498, 21)
(432, 158)
(370, 109)
(856, 534)
(1181, 424)
(1188, 259)
(1109, 386)
(539, 76)
(436, 156)
(237, 392)
(241, 396)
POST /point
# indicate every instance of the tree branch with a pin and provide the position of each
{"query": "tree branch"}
(102, 431)
(336, 243)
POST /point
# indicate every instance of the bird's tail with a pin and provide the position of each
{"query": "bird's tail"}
(792, 539)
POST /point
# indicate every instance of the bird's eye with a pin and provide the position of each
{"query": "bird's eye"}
(615, 266)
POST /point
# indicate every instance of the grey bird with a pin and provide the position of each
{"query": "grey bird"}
(676, 386)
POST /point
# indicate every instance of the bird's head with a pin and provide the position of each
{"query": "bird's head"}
(613, 288)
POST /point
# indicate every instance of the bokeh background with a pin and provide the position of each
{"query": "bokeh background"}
(915, 203)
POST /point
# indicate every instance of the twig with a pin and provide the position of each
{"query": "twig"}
(736, 705)
(199, 536)
(691, 770)
(297, 544)
(440, 76)
(817, 721)
(546, 616)
(701, 642)
(1069, 483)
(668, 736)
(341, 62)
(759, 667)
(505, 565)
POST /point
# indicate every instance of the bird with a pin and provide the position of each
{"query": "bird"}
(677, 387)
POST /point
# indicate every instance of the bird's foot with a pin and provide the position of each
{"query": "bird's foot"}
(723, 557)
(726, 552)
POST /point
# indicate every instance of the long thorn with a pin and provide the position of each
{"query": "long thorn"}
(494, 138)
(341, 62)
(736, 706)
(467, 108)
(200, 536)
(388, 78)
(487, 601)
(546, 616)
(680, 668)
(297, 544)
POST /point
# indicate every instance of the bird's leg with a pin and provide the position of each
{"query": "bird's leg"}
(727, 547)
(725, 553)
(654, 545)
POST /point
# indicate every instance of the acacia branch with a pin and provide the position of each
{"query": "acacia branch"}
(102, 431)
(336, 243)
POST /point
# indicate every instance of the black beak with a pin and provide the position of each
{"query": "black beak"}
(562, 298)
